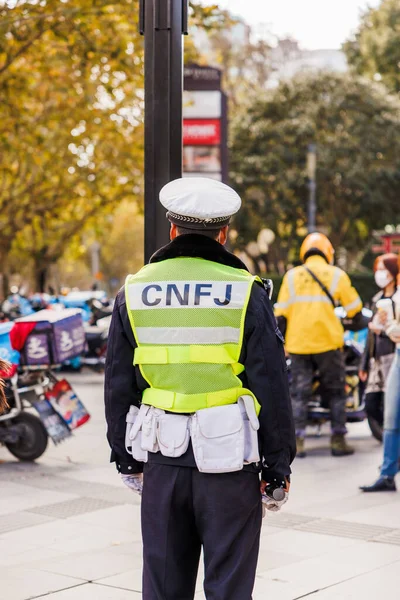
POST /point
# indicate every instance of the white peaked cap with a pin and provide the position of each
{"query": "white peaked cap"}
(195, 202)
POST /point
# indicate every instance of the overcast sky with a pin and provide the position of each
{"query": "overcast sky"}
(314, 23)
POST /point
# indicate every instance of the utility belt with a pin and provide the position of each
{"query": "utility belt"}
(224, 438)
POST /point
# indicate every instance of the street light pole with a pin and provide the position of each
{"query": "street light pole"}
(162, 22)
(312, 186)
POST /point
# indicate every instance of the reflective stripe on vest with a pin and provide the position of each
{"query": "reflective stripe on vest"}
(190, 358)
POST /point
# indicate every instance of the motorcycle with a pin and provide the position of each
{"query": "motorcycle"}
(23, 433)
(33, 348)
(96, 343)
(318, 407)
(96, 313)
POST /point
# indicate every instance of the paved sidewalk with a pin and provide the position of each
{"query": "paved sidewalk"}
(70, 531)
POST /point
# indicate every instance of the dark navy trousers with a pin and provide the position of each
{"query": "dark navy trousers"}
(183, 511)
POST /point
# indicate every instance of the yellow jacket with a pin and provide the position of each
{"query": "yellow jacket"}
(312, 326)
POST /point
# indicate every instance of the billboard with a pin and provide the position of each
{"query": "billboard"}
(201, 159)
(206, 105)
(201, 132)
(204, 124)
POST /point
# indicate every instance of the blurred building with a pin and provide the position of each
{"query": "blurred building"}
(288, 59)
(285, 57)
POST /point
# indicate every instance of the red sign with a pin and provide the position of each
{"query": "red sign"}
(201, 132)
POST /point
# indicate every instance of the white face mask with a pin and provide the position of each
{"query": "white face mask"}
(383, 278)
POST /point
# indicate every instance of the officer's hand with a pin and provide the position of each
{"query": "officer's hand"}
(264, 484)
(134, 482)
(363, 376)
(271, 504)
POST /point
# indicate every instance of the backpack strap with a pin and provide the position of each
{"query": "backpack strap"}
(322, 286)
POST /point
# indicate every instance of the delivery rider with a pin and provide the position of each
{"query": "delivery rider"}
(314, 334)
(197, 399)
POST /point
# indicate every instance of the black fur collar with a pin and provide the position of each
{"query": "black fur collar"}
(198, 246)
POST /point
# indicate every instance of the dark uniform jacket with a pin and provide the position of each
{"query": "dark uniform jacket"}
(262, 356)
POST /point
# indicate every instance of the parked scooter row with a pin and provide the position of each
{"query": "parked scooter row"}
(40, 404)
(96, 313)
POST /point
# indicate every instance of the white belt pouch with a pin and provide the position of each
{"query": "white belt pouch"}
(251, 426)
(151, 430)
(218, 439)
(133, 434)
(173, 434)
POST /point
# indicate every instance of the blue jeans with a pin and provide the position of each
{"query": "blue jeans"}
(391, 435)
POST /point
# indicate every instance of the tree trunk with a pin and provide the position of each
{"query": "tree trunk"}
(41, 270)
(5, 284)
(5, 276)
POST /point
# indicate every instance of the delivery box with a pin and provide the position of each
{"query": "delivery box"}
(49, 337)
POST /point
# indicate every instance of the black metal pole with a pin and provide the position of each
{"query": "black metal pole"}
(312, 187)
(162, 22)
(224, 139)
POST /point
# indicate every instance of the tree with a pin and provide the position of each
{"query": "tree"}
(71, 132)
(71, 119)
(374, 51)
(356, 126)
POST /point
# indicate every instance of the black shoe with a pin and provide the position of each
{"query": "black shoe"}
(383, 484)
(300, 448)
(339, 446)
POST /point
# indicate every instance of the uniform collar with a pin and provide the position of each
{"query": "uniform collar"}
(194, 245)
(315, 260)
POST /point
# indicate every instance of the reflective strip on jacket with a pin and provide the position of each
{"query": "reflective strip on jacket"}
(187, 316)
(312, 326)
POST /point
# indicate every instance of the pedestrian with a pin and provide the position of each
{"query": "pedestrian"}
(207, 356)
(391, 435)
(314, 335)
(379, 350)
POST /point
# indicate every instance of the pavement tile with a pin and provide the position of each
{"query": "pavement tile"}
(29, 498)
(33, 558)
(386, 516)
(369, 586)
(124, 517)
(308, 576)
(68, 537)
(23, 584)
(130, 580)
(90, 566)
(353, 502)
(93, 591)
(90, 539)
(367, 556)
(306, 545)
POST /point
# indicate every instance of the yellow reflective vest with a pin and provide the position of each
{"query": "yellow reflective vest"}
(312, 326)
(187, 316)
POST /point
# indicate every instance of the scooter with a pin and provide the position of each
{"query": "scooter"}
(22, 432)
(318, 408)
(96, 342)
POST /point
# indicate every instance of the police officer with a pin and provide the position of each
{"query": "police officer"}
(314, 335)
(193, 338)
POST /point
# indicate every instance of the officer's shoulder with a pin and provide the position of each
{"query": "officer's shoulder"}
(120, 297)
(259, 292)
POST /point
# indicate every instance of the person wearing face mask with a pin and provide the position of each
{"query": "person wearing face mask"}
(379, 350)
(391, 436)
